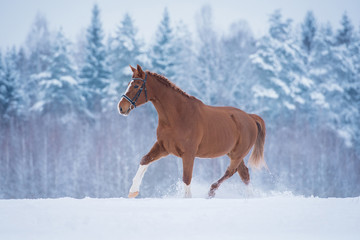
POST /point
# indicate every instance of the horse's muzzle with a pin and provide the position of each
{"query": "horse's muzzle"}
(122, 107)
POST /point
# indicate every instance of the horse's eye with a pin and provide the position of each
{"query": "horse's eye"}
(136, 86)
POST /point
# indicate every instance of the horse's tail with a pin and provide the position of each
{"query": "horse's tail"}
(256, 159)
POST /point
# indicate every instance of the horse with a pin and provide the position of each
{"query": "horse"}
(188, 128)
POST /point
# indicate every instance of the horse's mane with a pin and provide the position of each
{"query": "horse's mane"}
(169, 84)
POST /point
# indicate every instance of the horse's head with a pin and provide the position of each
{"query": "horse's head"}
(136, 93)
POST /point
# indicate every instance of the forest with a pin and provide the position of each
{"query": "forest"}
(62, 136)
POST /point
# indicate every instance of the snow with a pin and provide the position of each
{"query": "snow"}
(281, 84)
(319, 99)
(280, 216)
(307, 82)
(260, 91)
(289, 105)
(346, 136)
(51, 82)
(69, 80)
(38, 106)
(331, 87)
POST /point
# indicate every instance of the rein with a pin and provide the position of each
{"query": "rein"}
(137, 95)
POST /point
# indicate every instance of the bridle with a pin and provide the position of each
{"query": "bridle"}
(137, 95)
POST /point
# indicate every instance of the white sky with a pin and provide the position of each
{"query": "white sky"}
(16, 16)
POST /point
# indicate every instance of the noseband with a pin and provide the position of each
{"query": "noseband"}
(137, 95)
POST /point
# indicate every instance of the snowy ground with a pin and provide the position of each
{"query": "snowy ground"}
(273, 216)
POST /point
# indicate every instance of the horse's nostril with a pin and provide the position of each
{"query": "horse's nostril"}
(120, 109)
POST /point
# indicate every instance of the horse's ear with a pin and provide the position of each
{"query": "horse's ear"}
(140, 71)
(132, 68)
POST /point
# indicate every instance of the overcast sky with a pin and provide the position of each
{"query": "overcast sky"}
(16, 16)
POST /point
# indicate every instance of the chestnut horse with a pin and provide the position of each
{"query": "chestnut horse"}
(188, 128)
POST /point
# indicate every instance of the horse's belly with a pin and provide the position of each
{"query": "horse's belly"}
(208, 154)
(216, 147)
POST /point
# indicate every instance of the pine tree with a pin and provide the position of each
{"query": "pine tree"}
(10, 91)
(279, 29)
(320, 70)
(236, 47)
(183, 58)
(315, 43)
(346, 68)
(38, 45)
(60, 93)
(38, 49)
(94, 74)
(308, 31)
(3, 85)
(345, 33)
(125, 49)
(279, 70)
(163, 51)
(21, 64)
(208, 63)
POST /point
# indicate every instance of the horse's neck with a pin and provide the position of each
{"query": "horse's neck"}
(167, 103)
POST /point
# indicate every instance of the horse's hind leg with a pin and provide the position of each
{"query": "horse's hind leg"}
(243, 172)
(229, 172)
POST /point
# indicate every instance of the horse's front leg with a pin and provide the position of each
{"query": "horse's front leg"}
(156, 152)
(188, 164)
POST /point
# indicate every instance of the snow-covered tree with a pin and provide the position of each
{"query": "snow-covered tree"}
(38, 45)
(124, 49)
(308, 31)
(10, 89)
(3, 85)
(319, 67)
(237, 45)
(162, 51)
(345, 33)
(95, 74)
(279, 69)
(80, 51)
(346, 70)
(183, 58)
(22, 64)
(208, 64)
(59, 90)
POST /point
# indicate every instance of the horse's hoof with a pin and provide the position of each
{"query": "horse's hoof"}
(133, 194)
(211, 194)
(187, 195)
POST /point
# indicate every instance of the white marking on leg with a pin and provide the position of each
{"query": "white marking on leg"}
(187, 191)
(138, 178)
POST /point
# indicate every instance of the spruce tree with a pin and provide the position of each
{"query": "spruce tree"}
(162, 52)
(308, 31)
(347, 71)
(208, 74)
(60, 93)
(236, 47)
(38, 45)
(279, 70)
(184, 58)
(94, 74)
(345, 33)
(125, 49)
(10, 89)
(2, 87)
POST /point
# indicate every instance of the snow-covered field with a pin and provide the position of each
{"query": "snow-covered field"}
(280, 216)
